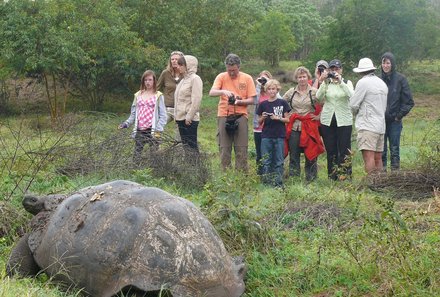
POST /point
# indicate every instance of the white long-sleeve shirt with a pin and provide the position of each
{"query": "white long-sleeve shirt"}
(368, 104)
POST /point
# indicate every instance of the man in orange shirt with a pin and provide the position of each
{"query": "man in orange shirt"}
(236, 90)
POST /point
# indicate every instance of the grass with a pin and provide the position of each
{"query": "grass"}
(318, 239)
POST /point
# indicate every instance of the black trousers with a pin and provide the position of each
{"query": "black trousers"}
(311, 166)
(188, 134)
(337, 141)
(257, 140)
(141, 138)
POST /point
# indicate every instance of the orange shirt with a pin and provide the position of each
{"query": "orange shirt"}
(242, 86)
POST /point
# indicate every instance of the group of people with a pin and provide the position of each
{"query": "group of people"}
(176, 95)
(314, 117)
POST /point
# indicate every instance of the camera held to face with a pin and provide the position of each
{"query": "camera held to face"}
(262, 80)
(321, 69)
(331, 75)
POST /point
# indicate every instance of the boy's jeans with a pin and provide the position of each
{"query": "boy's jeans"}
(272, 152)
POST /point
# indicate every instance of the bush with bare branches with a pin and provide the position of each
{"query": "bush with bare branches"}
(89, 143)
(422, 180)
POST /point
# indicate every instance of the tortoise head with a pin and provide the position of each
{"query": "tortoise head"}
(234, 285)
(240, 269)
(33, 204)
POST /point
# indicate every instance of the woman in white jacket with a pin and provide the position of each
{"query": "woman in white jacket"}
(187, 100)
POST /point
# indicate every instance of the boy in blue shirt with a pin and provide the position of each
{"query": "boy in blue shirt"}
(274, 112)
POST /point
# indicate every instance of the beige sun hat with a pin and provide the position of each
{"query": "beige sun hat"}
(365, 64)
(322, 63)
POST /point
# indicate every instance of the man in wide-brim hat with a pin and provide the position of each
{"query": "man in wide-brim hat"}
(368, 105)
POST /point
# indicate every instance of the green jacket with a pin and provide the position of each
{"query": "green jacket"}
(336, 102)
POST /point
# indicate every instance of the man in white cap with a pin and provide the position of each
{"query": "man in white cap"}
(368, 104)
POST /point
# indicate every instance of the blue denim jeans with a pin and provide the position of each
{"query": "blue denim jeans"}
(272, 152)
(392, 135)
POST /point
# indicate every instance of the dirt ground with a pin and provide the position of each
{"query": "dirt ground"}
(426, 106)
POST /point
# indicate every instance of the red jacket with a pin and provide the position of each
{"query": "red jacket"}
(310, 138)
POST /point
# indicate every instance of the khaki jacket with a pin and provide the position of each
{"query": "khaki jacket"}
(189, 92)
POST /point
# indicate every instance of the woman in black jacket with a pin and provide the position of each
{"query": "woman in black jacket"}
(399, 104)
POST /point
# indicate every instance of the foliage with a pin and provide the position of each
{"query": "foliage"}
(420, 181)
(427, 42)
(313, 239)
(273, 38)
(115, 55)
(79, 46)
(306, 24)
(430, 149)
(370, 28)
(90, 50)
(33, 43)
(207, 29)
(230, 206)
(334, 239)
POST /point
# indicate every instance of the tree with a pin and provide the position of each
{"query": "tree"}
(273, 38)
(79, 46)
(428, 35)
(114, 54)
(208, 29)
(306, 24)
(369, 28)
(33, 44)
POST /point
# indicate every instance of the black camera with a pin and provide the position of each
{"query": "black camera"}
(321, 69)
(331, 75)
(231, 100)
(262, 80)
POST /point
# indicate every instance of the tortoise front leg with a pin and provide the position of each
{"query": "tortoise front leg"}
(21, 262)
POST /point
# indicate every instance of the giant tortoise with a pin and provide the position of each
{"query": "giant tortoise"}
(107, 238)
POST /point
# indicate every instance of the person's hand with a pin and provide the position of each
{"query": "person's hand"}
(275, 118)
(266, 114)
(227, 93)
(317, 73)
(188, 122)
(123, 125)
(323, 76)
